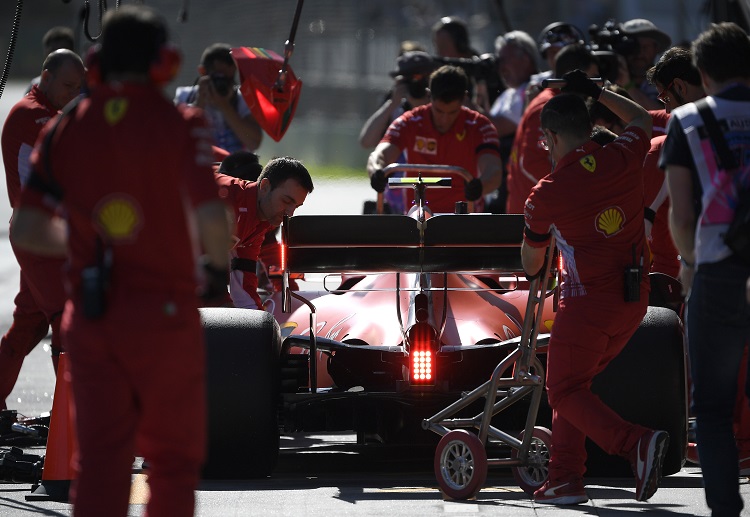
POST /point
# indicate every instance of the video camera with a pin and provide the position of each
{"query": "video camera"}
(481, 68)
(607, 43)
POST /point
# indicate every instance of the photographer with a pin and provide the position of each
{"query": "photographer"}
(409, 90)
(626, 52)
(232, 124)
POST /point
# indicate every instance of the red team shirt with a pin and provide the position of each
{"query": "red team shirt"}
(593, 203)
(471, 135)
(529, 161)
(249, 232)
(26, 119)
(149, 254)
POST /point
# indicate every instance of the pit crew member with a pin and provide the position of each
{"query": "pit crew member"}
(132, 307)
(591, 202)
(443, 132)
(41, 296)
(260, 207)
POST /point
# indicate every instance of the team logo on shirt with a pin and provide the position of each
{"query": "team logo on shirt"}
(588, 162)
(610, 221)
(460, 136)
(119, 216)
(115, 109)
(425, 145)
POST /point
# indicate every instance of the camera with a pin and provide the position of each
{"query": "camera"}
(607, 43)
(222, 84)
(481, 68)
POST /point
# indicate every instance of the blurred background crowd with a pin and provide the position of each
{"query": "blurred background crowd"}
(345, 49)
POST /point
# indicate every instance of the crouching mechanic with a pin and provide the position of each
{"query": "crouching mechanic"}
(260, 207)
(593, 203)
(132, 307)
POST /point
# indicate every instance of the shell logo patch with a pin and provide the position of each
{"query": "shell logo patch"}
(460, 136)
(610, 221)
(119, 217)
(425, 145)
(115, 109)
(588, 162)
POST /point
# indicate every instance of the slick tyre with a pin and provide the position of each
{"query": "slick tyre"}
(647, 384)
(242, 378)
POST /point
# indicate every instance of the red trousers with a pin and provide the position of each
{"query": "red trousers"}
(39, 304)
(585, 337)
(138, 382)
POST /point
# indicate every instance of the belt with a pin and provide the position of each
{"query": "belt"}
(244, 265)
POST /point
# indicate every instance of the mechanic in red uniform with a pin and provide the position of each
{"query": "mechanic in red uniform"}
(593, 203)
(41, 296)
(259, 208)
(443, 132)
(529, 162)
(131, 325)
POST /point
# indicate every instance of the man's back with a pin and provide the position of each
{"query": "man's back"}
(528, 162)
(594, 201)
(141, 178)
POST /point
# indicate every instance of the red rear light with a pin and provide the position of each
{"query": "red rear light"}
(422, 367)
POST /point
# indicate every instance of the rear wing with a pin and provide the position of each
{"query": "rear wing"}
(399, 243)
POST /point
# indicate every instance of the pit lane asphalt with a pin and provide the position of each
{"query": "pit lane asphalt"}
(328, 475)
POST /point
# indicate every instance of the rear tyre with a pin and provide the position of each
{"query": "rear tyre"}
(532, 476)
(647, 384)
(460, 464)
(242, 378)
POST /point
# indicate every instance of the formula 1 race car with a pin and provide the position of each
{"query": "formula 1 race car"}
(421, 311)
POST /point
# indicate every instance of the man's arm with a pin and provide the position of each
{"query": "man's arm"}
(682, 219)
(215, 232)
(532, 258)
(38, 231)
(245, 128)
(490, 172)
(632, 113)
(384, 154)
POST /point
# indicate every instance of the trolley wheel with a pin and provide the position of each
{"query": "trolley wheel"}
(460, 464)
(533, 475)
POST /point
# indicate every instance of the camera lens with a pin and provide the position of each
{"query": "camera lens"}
(222, 84)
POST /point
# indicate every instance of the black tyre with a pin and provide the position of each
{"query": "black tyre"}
(242, 369)
(647, 384)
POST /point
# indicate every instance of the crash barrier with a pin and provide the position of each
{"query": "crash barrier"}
(61, 443)
(399, 243)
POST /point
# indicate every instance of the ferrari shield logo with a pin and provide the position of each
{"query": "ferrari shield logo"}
(588, 162)
(115, 109)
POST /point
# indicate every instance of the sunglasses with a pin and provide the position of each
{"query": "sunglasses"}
(664, 95)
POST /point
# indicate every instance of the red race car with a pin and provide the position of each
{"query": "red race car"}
(421, 320)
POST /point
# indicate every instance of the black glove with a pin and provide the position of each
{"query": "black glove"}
(473, 189)
(214, 292)
(578, 82)
(378, 181)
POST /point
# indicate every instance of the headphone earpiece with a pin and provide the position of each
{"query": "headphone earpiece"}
(166, 66)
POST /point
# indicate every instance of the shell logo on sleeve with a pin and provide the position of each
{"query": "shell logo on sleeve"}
(610, 221)
(119, 216)
(115, 109)
(588, 162)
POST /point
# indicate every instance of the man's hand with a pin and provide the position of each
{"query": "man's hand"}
(208, 96)
(378, 181)
(578, 82)
(473, 189)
